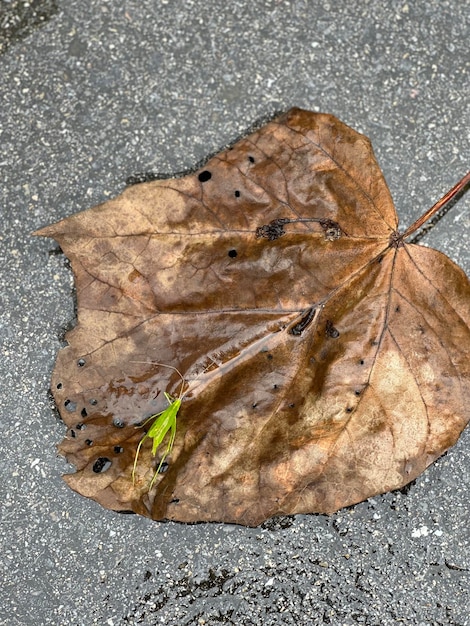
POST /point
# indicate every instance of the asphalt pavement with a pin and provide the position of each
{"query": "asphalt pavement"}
(93, 92)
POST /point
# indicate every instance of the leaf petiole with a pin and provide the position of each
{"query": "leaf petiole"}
(438, 206)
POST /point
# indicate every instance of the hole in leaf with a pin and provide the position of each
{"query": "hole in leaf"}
(118, 422)
(72, 433)
(101, 465)
(59, 385)
(89, 442)
(331, 331)
(118, 449)
(163, 468)
(232, 253)
(251, 159)
(80, 426)
(93, 402)
(81, 362)
(237, 194)
(83, 412)
(204, 176)
(70, 406)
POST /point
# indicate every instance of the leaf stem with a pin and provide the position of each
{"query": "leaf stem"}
(450, 195)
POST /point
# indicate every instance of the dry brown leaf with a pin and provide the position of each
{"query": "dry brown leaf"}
(326, 361)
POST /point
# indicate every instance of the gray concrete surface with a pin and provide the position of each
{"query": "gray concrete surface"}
(105, 89)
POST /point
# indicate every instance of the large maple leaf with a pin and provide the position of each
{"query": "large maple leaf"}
(324, 359)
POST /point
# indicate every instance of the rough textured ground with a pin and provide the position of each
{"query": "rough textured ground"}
(103, 90)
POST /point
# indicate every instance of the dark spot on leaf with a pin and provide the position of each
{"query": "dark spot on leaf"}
(237, 194)
(251, 159)
(305, 321)
(273, 230)
(330, 330)
(83, 412)
(70, 406)
(118, 422)
(59, 385)
(101, 465)
(270, 357)
(397, 309)
(204, 176)
(89, 442)
(81, 362)
(93, 402)
(232, 253)
(118, 449)
(331, 229)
